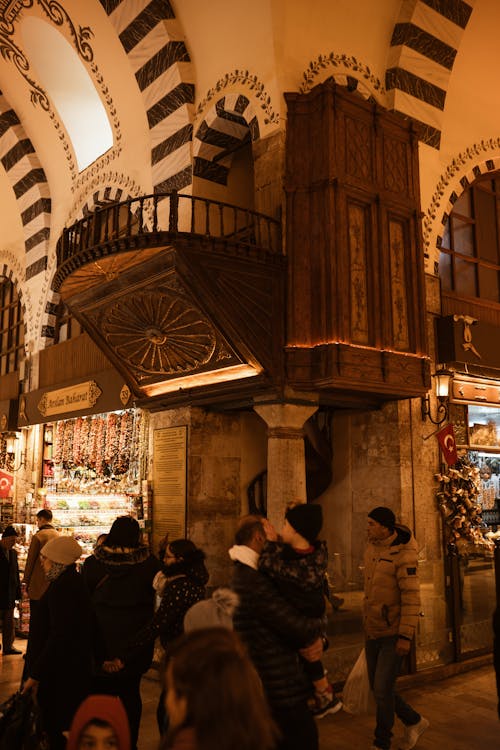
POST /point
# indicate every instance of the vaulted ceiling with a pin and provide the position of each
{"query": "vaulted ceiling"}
(184, 82)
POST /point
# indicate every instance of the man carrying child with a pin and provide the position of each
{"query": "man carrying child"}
(297, 565)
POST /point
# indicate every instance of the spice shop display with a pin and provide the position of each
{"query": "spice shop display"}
(91, 472)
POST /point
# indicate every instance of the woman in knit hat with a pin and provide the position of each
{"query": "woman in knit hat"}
(60, 671)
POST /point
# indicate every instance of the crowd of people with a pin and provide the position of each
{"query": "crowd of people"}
(242, 668)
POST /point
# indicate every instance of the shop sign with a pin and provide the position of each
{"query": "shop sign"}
(475, 391)
(73, 398)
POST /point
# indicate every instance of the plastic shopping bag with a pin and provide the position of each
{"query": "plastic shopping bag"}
(357, 697)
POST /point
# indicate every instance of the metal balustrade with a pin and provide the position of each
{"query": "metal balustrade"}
(128, 222)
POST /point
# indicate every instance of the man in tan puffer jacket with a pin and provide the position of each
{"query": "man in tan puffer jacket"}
(390, 612)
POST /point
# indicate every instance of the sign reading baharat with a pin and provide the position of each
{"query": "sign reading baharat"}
(73, 398)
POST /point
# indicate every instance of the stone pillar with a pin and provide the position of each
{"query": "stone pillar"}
(286, 470)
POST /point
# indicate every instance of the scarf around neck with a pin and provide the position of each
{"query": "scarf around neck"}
(245, 555)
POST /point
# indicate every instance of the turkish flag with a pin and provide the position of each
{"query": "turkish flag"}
(446, 438)
(6, 481)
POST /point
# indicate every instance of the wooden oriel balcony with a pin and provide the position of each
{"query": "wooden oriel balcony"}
(178, 291)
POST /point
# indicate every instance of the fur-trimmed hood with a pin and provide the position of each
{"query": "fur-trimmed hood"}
(114, 557)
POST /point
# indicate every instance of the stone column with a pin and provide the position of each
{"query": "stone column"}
(286, 471)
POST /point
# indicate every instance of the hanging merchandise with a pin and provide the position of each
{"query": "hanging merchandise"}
(91, 472)
(457, 499)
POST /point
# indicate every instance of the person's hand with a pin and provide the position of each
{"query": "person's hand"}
(403, 646)
(314, 651)
(113, 665)
(269, 530)
(30, 684)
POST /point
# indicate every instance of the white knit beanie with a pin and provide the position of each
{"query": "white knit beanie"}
(62, 549)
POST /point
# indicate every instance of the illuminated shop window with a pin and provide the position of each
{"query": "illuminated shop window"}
(11, 328)
(469, 263)
(65, 79)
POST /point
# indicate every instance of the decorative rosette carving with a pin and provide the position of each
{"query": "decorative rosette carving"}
(159, 332)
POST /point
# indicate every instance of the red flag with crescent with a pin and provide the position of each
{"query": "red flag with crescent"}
(446, 438)
(6, 481)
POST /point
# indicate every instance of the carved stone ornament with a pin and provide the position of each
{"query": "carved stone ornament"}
(159, 333)
(125, 395)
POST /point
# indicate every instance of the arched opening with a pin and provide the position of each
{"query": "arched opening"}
(11, 329)
(70, 88)
(469, 263)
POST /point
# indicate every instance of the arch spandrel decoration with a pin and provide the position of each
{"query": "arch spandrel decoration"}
(467, 166)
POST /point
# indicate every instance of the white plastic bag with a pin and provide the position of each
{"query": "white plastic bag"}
(357, 697)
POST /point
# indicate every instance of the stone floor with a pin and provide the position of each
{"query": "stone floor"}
(461, 709)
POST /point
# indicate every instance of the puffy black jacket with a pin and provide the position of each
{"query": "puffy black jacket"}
(273, 631)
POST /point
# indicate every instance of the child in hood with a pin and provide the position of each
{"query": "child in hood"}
(100, 723)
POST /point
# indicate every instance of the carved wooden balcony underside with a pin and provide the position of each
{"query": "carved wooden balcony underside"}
(176, 310)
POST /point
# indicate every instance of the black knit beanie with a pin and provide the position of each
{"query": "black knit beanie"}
(383, 516)
(306, 519)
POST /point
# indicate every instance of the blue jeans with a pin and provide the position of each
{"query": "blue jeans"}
(383, 668)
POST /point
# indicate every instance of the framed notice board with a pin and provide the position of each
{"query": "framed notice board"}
(169, 483)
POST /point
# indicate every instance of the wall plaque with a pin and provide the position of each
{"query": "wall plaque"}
(169, 482)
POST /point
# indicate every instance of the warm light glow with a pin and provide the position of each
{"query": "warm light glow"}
(315, 344)
(69, 86)
(238, 372)
(10, 440)
(442, 383)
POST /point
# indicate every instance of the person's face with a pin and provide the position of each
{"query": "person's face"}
(97, 738)
(375, 531)
(45, 563)
(287, 533)
(170, 558)
(175, 704)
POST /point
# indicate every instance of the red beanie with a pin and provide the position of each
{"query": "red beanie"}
(106, 708)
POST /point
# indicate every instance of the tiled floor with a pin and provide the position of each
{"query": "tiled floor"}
(462, 711)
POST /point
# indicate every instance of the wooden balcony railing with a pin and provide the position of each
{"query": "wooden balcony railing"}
(172, 213)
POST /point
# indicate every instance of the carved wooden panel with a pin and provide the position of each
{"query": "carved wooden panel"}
(184, 312)
(355, 262)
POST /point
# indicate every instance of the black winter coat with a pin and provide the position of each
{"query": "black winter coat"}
(10, 586)
(124, 604)
(62, 651)
(178, 595)
(273, 632)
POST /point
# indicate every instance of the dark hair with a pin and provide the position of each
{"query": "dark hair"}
(101, 723)
(45, 513)
(186, 549)
(125, 532)
(226, 706)
(247, 528)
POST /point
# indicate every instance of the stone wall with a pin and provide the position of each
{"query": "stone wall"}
(225, 452)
